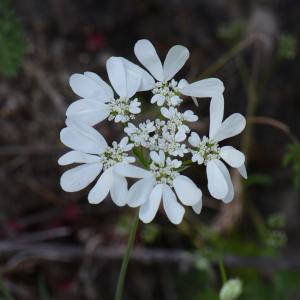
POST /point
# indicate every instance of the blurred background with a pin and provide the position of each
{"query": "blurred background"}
(54, 245)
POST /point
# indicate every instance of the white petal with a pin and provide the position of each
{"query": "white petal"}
(140, 191)
(204, 88)
(173, 209)
(182, 83)
(146, 54)
(186, 190)
(119, 190)
(86, 87)
(82, 137)
(232, 156)
(217, 184)
(175, 59)
(162, 156)
(180, 136)
(108, 90)
(117, 75)
(155, 157)
(158, 98)
(79, 177)
(149, 209)
(77, 157)
(165, 112)
(242, 170)
(194, 139)
(133, 82)
(216, 113)
(232, 126)
(147, 81)
(197, 207)
(101, 189)
(90, 112)
(128, 170)
(230, 194)
(190, 116)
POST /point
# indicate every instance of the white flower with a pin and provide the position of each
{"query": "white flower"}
(166, 89)
(93, 154)
(98, 101)
(140, 135)
(208, 152)
(158, 183)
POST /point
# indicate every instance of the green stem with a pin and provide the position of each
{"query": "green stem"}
(222, 270)
(4, 291)
(140, 156)
(122, 274)
(227, 56)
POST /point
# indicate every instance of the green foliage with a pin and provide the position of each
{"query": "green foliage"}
(276, 221)
(150, 233)
(276, 239)
(12, 44)
(292, 157)
(4, 292)
(199, 285)
(42, 288)
(232, 31)
(287, 46)
(258, 179)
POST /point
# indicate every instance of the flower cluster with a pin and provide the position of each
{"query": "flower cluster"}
(162, 148)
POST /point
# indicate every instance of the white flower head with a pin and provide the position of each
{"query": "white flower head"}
(208, 152)
(167, 90)
(91, 151)
(160, 143)
(157, 184)
(98, 101)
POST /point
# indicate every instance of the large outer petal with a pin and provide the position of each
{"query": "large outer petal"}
(128, 170)
(79, 177)
(147, 56)
(230, 194)
(140, 191)
(204, 88)
(216, 109)
(101, 189)
(119, 190)
(86, 87)
(82, 137)
(147, 81)
(117, 75)
(72, 157)
(149, 209)
(173, 209)
(232, 156)
(108, 90)
(90, 112)
(243, 171)
(175, 59)
(197, 207)
(232, 126)
(186, 190)
(217, 184)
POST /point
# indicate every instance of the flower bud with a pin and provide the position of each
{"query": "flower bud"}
(231, 290)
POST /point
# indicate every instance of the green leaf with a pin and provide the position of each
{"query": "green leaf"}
(12, 43)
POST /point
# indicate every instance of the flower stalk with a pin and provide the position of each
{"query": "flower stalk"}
(122, 274)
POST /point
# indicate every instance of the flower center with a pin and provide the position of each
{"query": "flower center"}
(120, 109)
(208, 149)
(112, 155)
(163, 174)
(169, 90)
